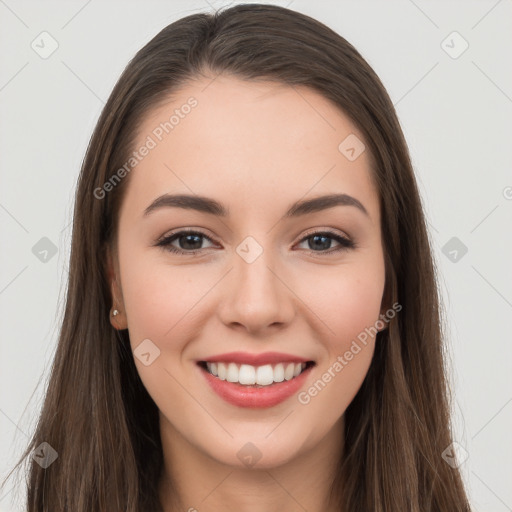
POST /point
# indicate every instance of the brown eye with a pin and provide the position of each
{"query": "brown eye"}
(321, 241)
(188, 241)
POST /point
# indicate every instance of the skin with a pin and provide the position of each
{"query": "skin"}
(256, 148)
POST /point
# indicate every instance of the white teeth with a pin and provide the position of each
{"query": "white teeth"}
(232, 374)
(248, 375)
(264, 375)
(279, 372)
(221, 369)
(288, 371)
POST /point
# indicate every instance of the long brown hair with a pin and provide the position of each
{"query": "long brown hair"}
(97, 414)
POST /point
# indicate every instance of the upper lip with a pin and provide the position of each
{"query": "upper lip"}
(256, 359)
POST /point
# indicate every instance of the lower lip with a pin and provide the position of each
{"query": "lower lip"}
(254, 397)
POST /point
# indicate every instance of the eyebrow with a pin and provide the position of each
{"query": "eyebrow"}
(213, 207)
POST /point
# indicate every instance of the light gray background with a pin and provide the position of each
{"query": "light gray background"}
(455, 113)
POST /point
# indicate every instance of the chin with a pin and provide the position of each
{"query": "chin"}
(256, 452)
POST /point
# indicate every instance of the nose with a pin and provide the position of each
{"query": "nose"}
(256, 296)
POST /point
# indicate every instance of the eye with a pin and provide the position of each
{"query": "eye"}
(321, 240)
(189, 242)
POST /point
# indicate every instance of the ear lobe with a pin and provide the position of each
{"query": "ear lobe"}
(118, 321)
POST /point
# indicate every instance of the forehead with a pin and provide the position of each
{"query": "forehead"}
(249, 144)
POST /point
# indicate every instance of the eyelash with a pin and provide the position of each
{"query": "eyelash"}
(165, 242)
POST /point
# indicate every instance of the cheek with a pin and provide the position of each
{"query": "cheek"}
(347, 300)
(160, 299)
(350, 307)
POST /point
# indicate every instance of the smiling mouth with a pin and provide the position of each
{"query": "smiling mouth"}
(255, 376)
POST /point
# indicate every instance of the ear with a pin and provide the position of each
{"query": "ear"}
(119, 321)
(383, 317)
(387, 310)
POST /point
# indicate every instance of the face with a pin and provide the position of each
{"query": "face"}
(284, 289)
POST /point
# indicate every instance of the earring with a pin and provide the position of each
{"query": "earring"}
(115, 312)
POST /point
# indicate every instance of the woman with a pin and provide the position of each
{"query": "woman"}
(295, 362)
